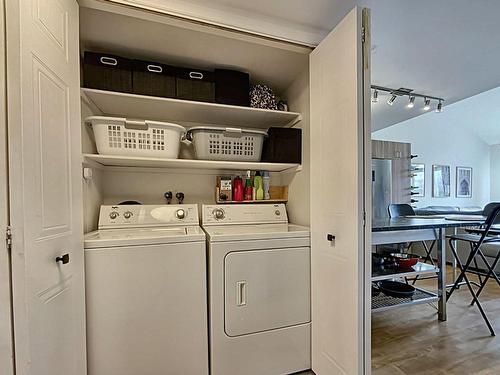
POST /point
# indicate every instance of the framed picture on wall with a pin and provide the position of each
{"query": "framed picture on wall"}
(441, 181)
(418, 180)
(464, 182)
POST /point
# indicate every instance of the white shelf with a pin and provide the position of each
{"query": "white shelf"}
(167, 109)
(127, 161)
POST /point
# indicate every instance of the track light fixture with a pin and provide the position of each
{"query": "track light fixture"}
(427, 104)
(439, 107)
(405, 92)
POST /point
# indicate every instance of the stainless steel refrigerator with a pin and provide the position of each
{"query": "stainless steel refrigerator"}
(381, 187)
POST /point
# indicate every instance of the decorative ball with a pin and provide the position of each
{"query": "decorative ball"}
(262, 96)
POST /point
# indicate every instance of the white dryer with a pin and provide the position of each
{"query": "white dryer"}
(146, 300)
(259, 290)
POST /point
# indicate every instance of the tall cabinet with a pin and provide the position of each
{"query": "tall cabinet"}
(327, 89)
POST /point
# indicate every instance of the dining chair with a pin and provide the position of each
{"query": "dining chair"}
(476, 239)
(488, 250)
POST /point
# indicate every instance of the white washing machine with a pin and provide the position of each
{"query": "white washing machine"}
(259, 290)
(146, 292)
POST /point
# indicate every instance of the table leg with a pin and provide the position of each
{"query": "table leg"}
(455, 243)
(441, 254)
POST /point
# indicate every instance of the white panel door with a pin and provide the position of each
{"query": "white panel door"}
(45, 186)
(6, 347)
(338, 174)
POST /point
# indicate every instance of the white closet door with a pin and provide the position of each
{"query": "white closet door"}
(6, 348)
(338, 179)
(45, 186)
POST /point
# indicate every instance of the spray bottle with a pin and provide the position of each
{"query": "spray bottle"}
(265, 184)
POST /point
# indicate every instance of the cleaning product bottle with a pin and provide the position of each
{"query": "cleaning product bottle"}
(248, 187)
(257, 183)
(238, 189)
(265, 184)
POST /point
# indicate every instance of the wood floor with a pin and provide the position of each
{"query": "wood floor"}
(412, 341)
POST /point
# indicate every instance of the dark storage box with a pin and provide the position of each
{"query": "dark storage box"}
(232, 87)
(107, 72)
(195, 85)
(151, 78)
(283, 145)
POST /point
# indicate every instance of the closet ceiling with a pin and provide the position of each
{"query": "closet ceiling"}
(446, 48)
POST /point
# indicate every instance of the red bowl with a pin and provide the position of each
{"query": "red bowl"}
(404, 260)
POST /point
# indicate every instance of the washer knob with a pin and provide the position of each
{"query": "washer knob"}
(219, 213)
(127, 215)
(277, 212)
(113, 215)
(180, 214)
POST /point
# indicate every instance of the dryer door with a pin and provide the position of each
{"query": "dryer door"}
(266, 289)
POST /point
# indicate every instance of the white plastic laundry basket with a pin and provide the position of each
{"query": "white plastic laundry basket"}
(119, 136)
(234, 144)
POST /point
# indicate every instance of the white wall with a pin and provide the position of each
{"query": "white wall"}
(91, 189)
(437, 139)
(495, 172)
(299, 183)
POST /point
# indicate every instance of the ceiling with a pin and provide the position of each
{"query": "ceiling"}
(480, 115)
(477, 116)
(446, 48)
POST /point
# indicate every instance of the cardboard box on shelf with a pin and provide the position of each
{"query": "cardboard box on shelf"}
(225, 188)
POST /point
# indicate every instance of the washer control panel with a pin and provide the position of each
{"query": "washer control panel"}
(244, 214)
(123, 216)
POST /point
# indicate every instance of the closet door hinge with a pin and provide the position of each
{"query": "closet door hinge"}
(8, 237)
(364, 219)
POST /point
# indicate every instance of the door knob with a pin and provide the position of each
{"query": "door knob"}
(330, 237)
(64, 259)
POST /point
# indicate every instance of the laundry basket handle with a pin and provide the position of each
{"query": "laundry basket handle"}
(233, 131)
(136, 125)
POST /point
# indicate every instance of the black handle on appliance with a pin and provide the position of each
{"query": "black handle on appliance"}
(330, 237)
(64, 259)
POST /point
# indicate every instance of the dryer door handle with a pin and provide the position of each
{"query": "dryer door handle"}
(241, 293)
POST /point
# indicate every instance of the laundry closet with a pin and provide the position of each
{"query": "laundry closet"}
(139, 35)
(326, 89)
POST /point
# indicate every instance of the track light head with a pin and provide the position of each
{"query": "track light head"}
(439, 107)
(411, 102)
(427, 104)
(392, 99)
(375, 96)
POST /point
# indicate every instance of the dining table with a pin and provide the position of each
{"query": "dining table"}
(410, 229)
